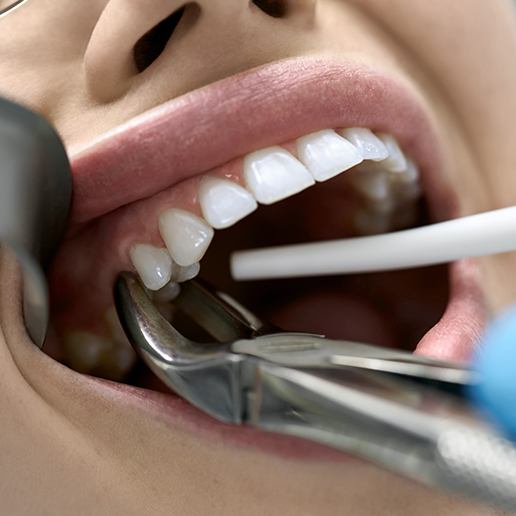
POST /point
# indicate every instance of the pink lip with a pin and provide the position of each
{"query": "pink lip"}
(255, 109)
(258, 108)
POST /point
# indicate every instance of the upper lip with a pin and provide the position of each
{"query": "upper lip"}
(264, 106)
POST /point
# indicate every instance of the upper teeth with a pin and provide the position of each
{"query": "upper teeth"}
(386, 177)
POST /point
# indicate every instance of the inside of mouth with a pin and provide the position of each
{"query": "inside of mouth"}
(392, 309)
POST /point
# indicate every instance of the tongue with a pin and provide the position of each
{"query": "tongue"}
(337, 316)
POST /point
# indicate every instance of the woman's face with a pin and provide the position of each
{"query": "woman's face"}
(439, 76)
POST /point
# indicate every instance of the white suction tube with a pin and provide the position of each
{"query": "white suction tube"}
(484, 234)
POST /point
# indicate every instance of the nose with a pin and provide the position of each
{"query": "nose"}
(135, 40)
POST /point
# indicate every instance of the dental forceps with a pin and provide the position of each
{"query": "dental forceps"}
(403, 412)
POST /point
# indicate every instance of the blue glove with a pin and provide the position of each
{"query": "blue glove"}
(495, 360)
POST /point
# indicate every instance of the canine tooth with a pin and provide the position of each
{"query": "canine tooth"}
(326, 154)
(224, 202)
(396, 161)
(187, 273)
(153, 264)
(186, 236)
(367, 143)
(273, 174)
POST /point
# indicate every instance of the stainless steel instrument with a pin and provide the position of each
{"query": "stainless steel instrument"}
(400, 411)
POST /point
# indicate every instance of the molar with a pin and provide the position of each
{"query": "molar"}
(366, 142)
(326, 154)
(153, 265)
(186, 236)
(273, 174)
(223, 203)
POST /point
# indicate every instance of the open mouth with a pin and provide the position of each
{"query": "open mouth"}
(296, 151)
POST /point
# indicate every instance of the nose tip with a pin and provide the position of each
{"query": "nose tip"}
(133, 39)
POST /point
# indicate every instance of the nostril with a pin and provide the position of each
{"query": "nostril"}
(150, 46)
(274, 8)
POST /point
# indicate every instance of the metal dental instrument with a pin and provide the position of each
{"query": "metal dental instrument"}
(399, 411)
(483, 234)
(35, 194)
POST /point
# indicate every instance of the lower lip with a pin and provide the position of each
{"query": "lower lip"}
(179, 414)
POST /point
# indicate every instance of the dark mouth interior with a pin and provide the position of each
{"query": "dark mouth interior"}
(392, 309)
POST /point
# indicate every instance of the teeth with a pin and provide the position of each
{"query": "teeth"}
(274, 174)
(396, 161)
(186, 236)
(224, 202)
(154, 265)
(386, 182)
(366, 142)
(326, 154)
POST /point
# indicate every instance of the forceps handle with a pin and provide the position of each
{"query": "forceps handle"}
(410, 433)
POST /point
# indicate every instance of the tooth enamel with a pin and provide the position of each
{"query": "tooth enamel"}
(396, 161)
(186, 236)
(273, 174)
(187, 273)
(224, 202)
(154, 265)
(326, 154)
(366, 142)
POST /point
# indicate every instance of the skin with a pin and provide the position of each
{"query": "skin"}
(69, 449)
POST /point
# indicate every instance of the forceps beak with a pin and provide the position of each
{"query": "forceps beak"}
(206, 374)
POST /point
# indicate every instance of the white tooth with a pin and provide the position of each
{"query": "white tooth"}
(224, 202)
(372, 184)
(84, 351)
(188, 273)
(273, 174)
(168, 293)
(367, 143)
(186, 236)
(396, 161)
(326, 154)
(153, 264)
